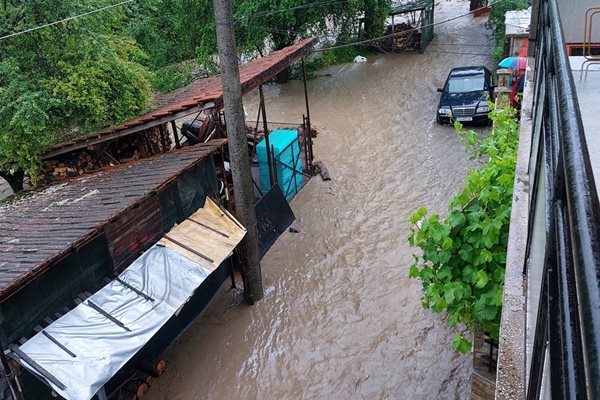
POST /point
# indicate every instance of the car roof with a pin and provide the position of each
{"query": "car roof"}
(464, 71)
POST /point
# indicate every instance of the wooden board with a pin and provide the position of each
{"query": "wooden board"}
(210, 231)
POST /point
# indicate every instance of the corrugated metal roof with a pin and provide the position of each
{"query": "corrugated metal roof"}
(198, 94)
(44, 225)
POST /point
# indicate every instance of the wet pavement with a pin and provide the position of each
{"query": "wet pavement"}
(340, 318)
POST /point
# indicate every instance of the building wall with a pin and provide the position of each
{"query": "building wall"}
(572, 16)
(134, 232)
(54, 289)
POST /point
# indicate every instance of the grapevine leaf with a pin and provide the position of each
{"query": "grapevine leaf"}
(461, 344)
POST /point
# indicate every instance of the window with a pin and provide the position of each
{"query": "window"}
(464, 84)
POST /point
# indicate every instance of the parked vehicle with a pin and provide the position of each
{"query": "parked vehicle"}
(465, 95)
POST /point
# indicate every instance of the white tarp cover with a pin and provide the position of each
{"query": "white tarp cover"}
(101, 346)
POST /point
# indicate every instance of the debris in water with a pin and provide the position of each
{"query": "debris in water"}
(323, 170)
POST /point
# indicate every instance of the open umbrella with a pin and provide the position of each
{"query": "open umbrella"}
(513, 63)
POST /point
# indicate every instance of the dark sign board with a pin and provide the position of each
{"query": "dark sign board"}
(273, 217)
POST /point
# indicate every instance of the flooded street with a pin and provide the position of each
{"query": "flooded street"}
(340, 318)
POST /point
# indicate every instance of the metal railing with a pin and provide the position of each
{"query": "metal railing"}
(565, 354)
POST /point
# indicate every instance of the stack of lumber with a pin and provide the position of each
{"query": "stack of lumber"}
(405, 38)
(145, 144)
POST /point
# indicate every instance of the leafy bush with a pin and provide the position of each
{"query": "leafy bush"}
(462, 258)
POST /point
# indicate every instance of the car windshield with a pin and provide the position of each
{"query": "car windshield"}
(464, 84)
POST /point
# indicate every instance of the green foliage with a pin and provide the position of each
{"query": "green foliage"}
(462, 258)
(66, 80)
(330, 57)
(496, 22)
(171, 77)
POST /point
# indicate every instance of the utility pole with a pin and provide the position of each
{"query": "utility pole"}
(238, 148)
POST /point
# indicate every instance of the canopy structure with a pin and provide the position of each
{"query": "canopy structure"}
(80, 352)
(420, 14)
(72, 212)
(199, 95)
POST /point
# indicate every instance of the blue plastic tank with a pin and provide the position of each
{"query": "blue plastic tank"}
(286, 152)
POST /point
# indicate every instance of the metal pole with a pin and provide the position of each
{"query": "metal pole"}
(238, 147)
(305, 145)
(309, 136)
(266, 130)
(175, 135)
(276, 179)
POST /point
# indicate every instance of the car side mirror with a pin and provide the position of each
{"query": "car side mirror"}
(440, 89)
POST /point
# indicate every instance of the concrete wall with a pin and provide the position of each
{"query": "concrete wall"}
(572, 14)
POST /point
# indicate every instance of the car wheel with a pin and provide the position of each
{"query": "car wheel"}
(439, 120)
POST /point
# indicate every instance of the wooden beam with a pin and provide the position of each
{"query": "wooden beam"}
(128, 131)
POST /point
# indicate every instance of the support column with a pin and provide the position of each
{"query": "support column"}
(238, 148)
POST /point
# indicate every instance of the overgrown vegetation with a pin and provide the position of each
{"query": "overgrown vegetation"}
(496, 22)
(462, 257)
(89, 73)
(61, 81)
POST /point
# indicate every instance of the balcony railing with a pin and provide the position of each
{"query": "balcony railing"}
(564, 360)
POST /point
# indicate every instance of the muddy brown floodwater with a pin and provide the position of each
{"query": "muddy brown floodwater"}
(340, 318)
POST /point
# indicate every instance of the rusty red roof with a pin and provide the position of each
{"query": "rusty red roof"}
(201, 94)
(44, 225)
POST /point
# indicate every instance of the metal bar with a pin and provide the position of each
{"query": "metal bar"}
(573, 384)
(137, 291)
(107, 315)
(257, 187)
(539, 345)
(208, 227)
(294, 172)
(309, 137)
(266, 131)
(59, 344)
(175, 134)
(290, 167)
(188, 248)
(225, 212)
(224, 175)
(305, 131)
(275, 177)
(583, 207)
(41, 371)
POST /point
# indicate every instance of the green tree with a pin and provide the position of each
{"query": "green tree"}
(462, 257)
(496, 22)
(63, 81)
(175, 31)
